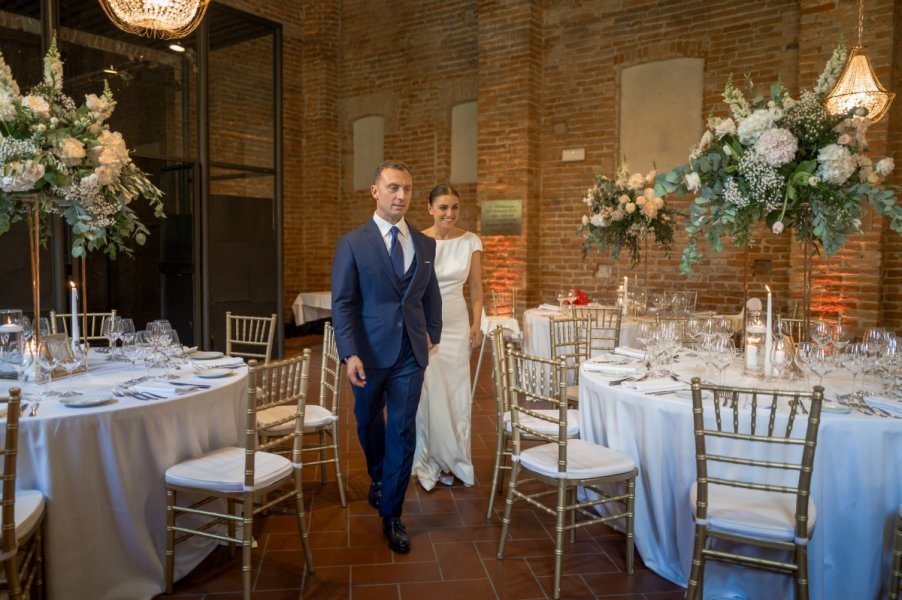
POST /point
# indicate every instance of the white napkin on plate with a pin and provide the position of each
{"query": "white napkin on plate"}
(631, 352)
(607, 368)
(886, 404)
(229, 362)
(186, 350)
(158, 388)
(660, 384)
(549, 307)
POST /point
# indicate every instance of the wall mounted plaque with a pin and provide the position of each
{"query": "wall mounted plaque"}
(502, 217)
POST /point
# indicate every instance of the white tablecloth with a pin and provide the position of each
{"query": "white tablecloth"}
(537, 331)
(856, 487)
(101, 469)
(312, 306)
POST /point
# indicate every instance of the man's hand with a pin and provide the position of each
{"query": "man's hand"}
(356, 374)
(429, 344)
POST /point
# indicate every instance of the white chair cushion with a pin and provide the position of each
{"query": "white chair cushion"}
(222, 471)
(753, 513)
(29, 508)
(546, 427)
(316, 416)
(585, 460)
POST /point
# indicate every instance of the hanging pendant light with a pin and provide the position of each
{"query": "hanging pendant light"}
(858, 86)
(164, 19)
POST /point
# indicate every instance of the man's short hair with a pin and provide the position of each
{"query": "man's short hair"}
(397, 165)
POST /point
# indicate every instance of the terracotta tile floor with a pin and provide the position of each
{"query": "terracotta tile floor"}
(453, 544)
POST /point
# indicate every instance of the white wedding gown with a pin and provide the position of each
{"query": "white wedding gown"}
(443, 418)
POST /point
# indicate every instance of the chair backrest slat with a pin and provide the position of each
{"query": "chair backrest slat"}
(537, 379)
(570, 342)
(604, 326)
(59, 323)
(330, 372)
(504, 303)
(249, 336)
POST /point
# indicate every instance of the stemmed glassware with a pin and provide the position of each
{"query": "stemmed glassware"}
(723, 352)
(127, 335)
(821, 333)
(71, 361)
(47, 361)
(842, 335)
(854, 360)
(111, 329)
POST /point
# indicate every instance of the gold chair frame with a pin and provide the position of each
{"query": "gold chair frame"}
(503, 434)
(270, 385)
(534, 378)
(59, 323)
(329, 399)
(570, 339)
(252, 335)
(896, 571)
(604, 326)
(793, 328)
(732, 435)
(23, 558)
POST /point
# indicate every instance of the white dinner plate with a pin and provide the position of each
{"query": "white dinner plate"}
(86, 400)
(684, 393)
(835, 407)
(205, 355)
(213, 373)
(610, 359)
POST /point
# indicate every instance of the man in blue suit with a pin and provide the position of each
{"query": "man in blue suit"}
(387, 314)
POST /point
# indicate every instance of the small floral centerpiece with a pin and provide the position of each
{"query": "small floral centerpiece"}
(623, 212)
(785, 161)
(81, 168)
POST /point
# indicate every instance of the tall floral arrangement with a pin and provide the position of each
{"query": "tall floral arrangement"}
(785, 161)
(623, 212)
(68, 153)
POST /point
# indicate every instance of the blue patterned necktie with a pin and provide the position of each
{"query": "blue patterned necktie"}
(396, 253)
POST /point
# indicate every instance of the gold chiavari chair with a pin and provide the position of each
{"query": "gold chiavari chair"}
(753, 477)
(59, 323)
(21, 542)
(896, 572)
(604, 326)
(320, 420)
(503, 309)
(570, 344)
(250, 337)
(241, 475)
(561, 464)
(503, 428)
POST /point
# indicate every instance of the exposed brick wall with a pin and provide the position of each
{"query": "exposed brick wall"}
(546, 76)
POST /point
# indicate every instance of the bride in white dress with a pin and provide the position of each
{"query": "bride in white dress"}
(443, 418)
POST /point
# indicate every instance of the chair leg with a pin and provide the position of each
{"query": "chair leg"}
(496, 472)
(302, 520)
(801, 572)
(337, 455)
(896, 572)
(560, 520)
(508, 506)
(698, 564)
(478, 367)
(170, 539)
(322, 455)
(630, 524)
(247, 541)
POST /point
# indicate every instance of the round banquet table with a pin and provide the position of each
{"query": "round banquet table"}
(101, 470)
(537, 330)
(855, 485)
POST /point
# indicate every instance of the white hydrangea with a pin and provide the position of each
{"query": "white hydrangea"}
(778, 146)
(885, 166)
(751, 128)
(597, 220)
(835, 164)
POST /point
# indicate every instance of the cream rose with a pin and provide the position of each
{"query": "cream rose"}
(630, 207)
(37, 105)
(71, 151)
(885, 166)
(636, 181)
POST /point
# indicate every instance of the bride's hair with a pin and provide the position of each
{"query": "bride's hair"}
(442, 189)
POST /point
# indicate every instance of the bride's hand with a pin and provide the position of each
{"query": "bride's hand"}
(475, 336)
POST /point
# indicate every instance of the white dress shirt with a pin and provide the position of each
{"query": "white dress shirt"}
(403, 238)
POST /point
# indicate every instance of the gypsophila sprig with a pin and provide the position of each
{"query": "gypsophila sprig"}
(783, 161)
(623, 212)
(67, 152)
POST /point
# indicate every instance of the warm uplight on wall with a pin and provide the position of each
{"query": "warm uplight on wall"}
(164, 19)
(858, 86)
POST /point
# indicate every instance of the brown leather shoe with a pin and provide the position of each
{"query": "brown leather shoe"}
(396, 534)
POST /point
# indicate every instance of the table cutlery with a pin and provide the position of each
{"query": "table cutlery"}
(631, 378)
(880, 411)
(22, 408)
(200, 386)
(34, 409)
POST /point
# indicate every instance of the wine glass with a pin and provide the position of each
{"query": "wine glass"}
(722, 356)
(821, 333)
(71, 361)
(780, 357)
(27, 329)
(821, 363)
(842, 335)
(111, 329)
(854, 360)
(47, 361)
(127, 334)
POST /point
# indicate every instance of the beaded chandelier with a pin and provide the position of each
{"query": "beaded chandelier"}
(164, 19)
(858, 86)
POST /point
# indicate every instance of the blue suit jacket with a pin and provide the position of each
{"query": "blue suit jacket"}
(369, 310)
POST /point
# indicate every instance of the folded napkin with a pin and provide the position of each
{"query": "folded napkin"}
(553, 307)
(226, 362)
(597, 366)
(886, 404)
(631, 352)
(186, 350)
(159, 388)
(661, 384)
